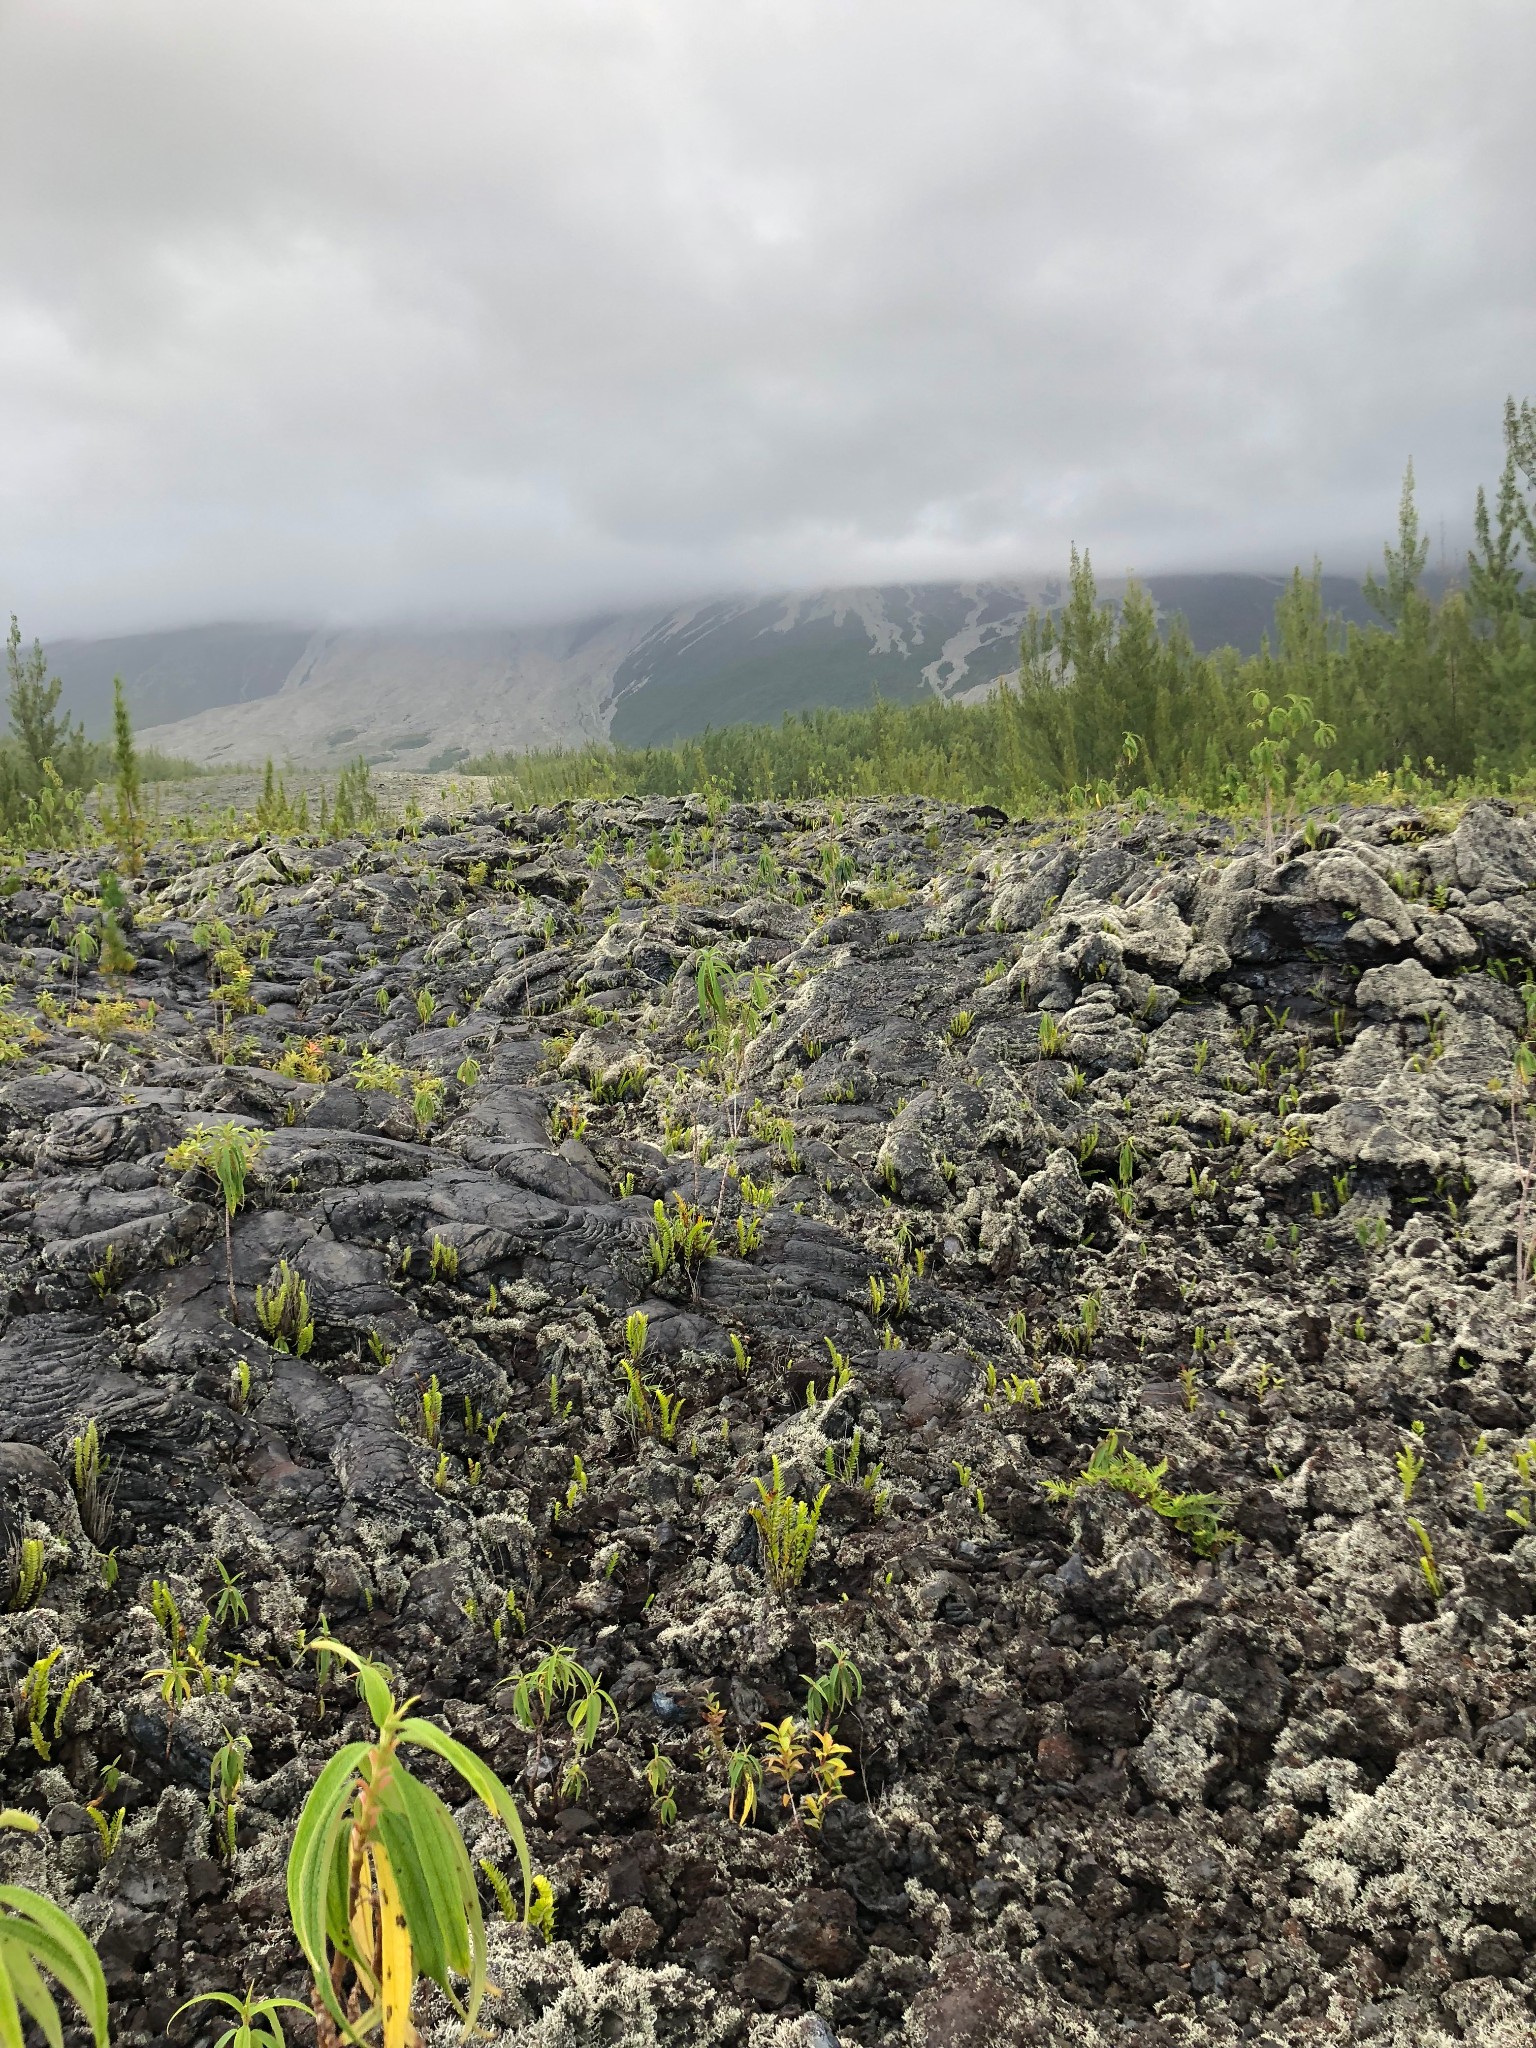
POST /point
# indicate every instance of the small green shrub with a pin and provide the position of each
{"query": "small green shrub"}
(559, 1681)
(227, 1151)
(257, 2020)
(426, 1102)
(1195, 1515)
(374, 1073)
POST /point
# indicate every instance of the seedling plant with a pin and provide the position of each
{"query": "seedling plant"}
(227, 1151)
(380, 1888)
(559, 1681)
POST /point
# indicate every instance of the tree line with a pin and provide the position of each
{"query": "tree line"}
(48, 766)
(1436, 693)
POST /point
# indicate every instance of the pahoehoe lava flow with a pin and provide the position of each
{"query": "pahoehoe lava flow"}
(1118, 1227)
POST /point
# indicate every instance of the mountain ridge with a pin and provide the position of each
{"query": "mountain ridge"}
(429, 697)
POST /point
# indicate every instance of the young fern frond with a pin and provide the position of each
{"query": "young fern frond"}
(29, 1577)
(496, 1878)
(1195, 1515)
(93, 1493)
(682, 1237)
(786, 1528)
(283, 1312)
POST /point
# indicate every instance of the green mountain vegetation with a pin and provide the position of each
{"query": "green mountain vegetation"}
(727, 665)
(1434, 692)
(1097, 700)
(224, 694)
(175, 674)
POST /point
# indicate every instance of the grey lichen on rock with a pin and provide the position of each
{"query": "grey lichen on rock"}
(1098, 1241)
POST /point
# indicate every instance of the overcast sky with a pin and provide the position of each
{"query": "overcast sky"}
(357, 310)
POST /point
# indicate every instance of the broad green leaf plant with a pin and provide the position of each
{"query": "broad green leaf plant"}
(380, 1888)
(37, 1936)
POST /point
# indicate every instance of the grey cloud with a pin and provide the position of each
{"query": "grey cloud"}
(379, 310)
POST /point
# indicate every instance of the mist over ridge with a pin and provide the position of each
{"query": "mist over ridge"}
(429, 695)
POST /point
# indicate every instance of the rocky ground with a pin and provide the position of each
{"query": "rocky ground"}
(1086, 1150)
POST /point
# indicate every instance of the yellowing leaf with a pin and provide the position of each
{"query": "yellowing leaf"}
(399, 1971)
